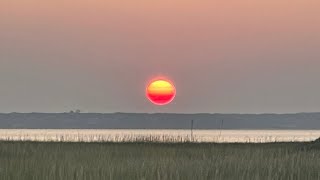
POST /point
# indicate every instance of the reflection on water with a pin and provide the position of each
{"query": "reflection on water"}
(91, 135)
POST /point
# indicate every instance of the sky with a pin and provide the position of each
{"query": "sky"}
(236, 56)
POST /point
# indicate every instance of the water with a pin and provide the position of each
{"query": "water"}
(116, 135)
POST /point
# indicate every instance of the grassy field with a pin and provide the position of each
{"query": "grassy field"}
(78, 161)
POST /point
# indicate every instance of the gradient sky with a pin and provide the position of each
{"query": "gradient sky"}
(237, 56)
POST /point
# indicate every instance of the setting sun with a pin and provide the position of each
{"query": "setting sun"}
(161, 92)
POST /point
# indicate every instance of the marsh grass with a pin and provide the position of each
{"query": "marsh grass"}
(103, 138)
(146, 160)
(129, 135)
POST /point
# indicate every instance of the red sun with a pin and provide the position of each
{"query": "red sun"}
(161, 92)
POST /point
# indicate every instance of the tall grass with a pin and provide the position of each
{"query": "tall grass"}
(80, 161)
(165, 138)
(103, 138)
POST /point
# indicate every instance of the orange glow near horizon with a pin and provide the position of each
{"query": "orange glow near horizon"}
(161, 92)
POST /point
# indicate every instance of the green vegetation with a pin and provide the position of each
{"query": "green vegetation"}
(79, 161)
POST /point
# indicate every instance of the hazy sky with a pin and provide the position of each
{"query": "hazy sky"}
(236, 56)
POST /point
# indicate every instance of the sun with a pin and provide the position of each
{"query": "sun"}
(161, 92)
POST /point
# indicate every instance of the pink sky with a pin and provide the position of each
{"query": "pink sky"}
(228, 56)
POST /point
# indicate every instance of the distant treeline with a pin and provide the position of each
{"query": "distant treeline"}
(158, 121)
